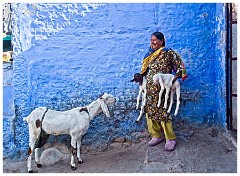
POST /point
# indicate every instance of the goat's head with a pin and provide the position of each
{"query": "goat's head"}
(138, 78)
(104, 100)
(108, 98)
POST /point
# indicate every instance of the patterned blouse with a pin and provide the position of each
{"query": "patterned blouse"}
(167, 61)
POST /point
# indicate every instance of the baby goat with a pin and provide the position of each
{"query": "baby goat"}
(141, 79)
(75, 122)
(165, 81)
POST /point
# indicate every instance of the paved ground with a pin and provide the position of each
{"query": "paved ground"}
(204, 150)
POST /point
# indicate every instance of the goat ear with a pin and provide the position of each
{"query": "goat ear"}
(132, 80)
(104, 108)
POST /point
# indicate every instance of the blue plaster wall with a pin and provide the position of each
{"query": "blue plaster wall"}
(66, 55)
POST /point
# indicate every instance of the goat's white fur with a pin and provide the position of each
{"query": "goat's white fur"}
(72, 122)
(165, 81)
(142, 92)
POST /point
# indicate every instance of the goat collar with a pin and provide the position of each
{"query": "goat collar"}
(104, 107)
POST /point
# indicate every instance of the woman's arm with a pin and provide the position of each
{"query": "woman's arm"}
(179, 68)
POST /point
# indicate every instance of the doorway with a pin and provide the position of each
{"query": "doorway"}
(231, 65)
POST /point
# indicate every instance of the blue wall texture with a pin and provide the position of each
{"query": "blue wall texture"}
(66, 55)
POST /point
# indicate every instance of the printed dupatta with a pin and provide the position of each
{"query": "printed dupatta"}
(151, 55)
(147, 60)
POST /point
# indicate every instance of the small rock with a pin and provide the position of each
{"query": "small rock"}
(120, 140)
(115, 145)
(213, 132)
(51, 156)
(126, 144)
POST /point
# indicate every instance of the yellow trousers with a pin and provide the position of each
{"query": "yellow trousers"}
(156, 129)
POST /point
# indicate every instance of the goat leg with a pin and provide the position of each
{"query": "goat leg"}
(166, 97)
(160, 97)
(171, 100)
(144, 94)
(178, 100)
(80, 161)
(140, 115)
(29, 162)
(73, 153)
(37, 157)
(138, 98)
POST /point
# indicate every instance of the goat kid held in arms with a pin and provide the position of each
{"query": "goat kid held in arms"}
(141, 79)
(166, 82)
(42, 122)
(160, 59)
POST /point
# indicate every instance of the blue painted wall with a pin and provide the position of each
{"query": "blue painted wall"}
(66, 55)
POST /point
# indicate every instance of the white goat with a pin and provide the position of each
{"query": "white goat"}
(75, 122)
(165, 81)
(139, 78)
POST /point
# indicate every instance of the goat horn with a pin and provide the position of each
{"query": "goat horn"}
(101, 95)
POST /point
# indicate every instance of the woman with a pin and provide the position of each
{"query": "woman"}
(164, 60)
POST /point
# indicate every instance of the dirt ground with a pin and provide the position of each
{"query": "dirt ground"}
(118, 160)
(198, 150)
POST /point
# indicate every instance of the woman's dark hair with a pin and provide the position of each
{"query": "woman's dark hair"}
(160, 36)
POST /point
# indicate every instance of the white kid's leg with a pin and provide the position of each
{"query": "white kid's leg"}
(138, 98)
(171, 100)
(144, 96)
(178, 101)
(160, 96)
(142, 107)
(141, 113)
(166, 97)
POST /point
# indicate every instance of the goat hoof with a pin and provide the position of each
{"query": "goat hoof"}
(136, 121)
(80, 161)
(73, 167)
(39, 165)
(30, 171)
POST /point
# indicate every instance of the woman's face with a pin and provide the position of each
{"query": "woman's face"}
(155, 43)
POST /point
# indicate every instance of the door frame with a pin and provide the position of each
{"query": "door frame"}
(229, 61)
